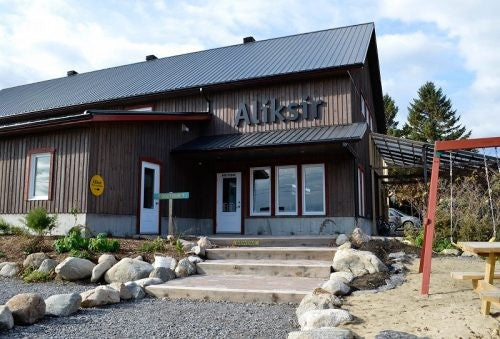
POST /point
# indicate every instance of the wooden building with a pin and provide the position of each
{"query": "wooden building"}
(268, 137)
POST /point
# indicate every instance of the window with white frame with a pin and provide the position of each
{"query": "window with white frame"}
(313, 189)
(361, 192)
(39, 176)
(286, 190)
(260, 191)
(363, 107)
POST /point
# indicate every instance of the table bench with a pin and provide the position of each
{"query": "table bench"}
(472, 276)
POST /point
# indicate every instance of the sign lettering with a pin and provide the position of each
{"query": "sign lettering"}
(171, 196)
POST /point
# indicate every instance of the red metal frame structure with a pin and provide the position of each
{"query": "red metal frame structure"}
(439, 147)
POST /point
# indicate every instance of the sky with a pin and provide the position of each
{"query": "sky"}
(455, 44)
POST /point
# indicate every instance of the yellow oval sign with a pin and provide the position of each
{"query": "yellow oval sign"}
(97, 185)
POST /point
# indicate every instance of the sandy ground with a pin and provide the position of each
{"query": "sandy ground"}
(452, 309)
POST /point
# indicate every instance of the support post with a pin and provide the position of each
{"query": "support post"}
(170, 217)
(426, 254)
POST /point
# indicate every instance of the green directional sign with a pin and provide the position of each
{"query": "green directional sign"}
(171, 196)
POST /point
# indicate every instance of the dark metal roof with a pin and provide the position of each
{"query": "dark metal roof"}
(298, 136)
(327, 49)
(401, 152)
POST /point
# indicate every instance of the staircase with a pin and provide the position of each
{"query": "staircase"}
(267, 274)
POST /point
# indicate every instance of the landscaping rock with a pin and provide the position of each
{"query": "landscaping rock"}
(341, 239)
(319, 299)
(398, 267)
(347, 276)
(163, 273)
(204, 243)
(106, 261)
(187, 245)
(48, 266)
(26, 308)
(75, 268)
(148, 281)
(324, 318)
(62, 305)
(34, 260)
(358, 237)
(468, 254)
(344, 246)
(198, 251)
(194, 259)
(2, 264)
(322, 333)
(450, 251)
(185, 268)
(336, 286)
(139, 257)
(122, 289)
(128, 269)
(397, 256)
(390, 334)
(167, 262)
(9, 270)
(357, 262)
(135, 290)
(6, 319)
(103, 295)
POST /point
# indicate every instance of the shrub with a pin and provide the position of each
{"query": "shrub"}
(101, 244)
(34, 244)
(73, 241)
(179, 248)
(16, 230)
(84, 254)
(39, 221)
(33, 276)
(157, 245)
(4, 226)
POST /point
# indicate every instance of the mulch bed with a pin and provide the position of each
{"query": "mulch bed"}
(369, 281)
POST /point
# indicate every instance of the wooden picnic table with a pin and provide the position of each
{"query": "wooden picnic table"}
(490, 250)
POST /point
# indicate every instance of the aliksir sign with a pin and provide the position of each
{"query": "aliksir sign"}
(272, 112)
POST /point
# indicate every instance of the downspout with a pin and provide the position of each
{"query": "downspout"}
(209, 102)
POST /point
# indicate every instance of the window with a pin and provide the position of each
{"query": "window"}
(313, 192)
(260, 191)
(149, 184)
(286, 190)
(361, 192)
(39, 176)
(363, 107)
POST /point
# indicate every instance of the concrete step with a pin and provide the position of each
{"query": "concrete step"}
(237, 288)
(272, 253)
(274, 241)
(275, 268)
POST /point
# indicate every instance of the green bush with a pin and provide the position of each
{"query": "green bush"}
(33, 276)
(442, 244)
(179, 248)
(84, 254)
(4, 226)
(16, 230)
(157, 245)
(73, 241)
(39, 221)
(101, 244)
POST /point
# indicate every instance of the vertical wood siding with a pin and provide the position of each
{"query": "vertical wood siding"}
(69, 175)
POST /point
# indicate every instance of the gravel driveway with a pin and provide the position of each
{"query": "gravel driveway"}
(151, 317)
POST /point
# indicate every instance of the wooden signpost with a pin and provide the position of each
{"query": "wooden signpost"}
(171, 196)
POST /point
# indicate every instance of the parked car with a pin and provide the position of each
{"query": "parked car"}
(405, 220)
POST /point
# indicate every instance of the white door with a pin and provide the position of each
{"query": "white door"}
(150, 208)
(229, 202)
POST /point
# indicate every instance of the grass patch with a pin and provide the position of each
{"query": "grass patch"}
(33, 276)
(83, 254)
(157, 245)
(2, 255)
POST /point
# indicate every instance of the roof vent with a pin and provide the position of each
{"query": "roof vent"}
(151, 57)
(72, 72)
(248, 39)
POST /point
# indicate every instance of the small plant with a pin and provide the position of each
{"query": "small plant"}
(2, 255)
(34, 276)
(101, 244)
(5, 226)
(157, 245)
(179, 248)
(442, 244)
(16, 230)
(73, 241)
(84, 254)
(39, 221)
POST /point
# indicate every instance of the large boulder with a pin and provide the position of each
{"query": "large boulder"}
(128, 269)
(336, 286)
(6, 319)
(185, 268)
(204, 243)
(136, 291)
(26, 308)
(324, 318)
(358, 237)
(187, 245)
(105, 262)
(357, 262)
(34, 260)
(148, 281)
(163, 273)
(75, 268)
(167, 262)
(322, 333)
(63, 305)
(195, 259)
(341, 239)
(102, 295)
(319, 299)
(9, 270)
(122, 289)
(48, 266)
(346, 277)
(199, 251)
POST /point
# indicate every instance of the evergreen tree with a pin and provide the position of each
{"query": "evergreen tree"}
(391, 110)
(431, 117)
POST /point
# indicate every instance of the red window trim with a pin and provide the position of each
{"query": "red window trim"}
(30, 154)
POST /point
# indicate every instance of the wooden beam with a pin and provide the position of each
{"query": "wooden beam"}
(452, 145)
